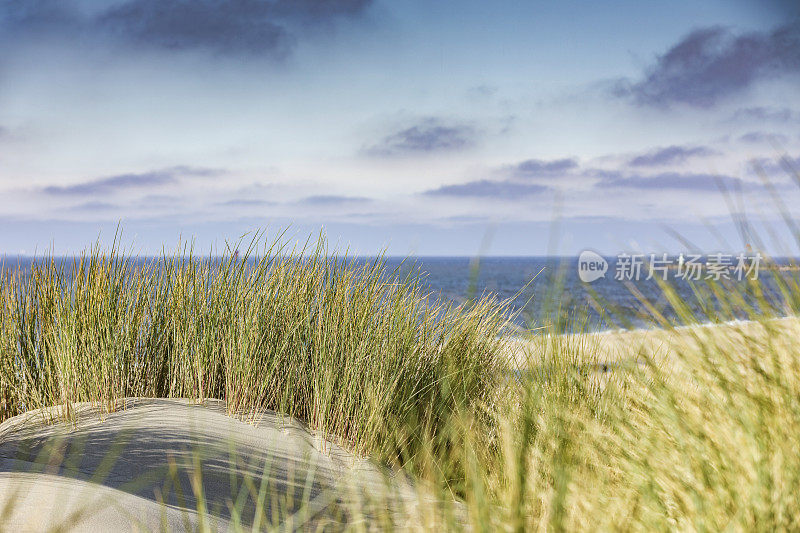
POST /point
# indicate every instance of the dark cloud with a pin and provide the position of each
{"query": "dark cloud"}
(317, 10)
(321, 200)
(539, 167)
(712, 63)
(671, 155)
(234, 27)
(670, 181)
(242, 26)
(760, 137)
(505, 190)
(430, 135)
(122, 182)
(40, 15)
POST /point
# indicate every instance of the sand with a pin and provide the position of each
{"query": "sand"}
(158, 464)
(605, 351)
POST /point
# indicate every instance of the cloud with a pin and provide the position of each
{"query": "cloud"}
(538, 167)
(317, 10)
(514, 180)
(760, 137)
(670, 181)
(40, 15)
(713, 63)
(330, 199)
(765, 114)
(122, 182)
(670, 155)
(504, 190)
(113, 184)
(227, 27)
(428, 136)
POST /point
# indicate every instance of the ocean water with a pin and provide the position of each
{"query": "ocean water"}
(542, 289)
(548, 289)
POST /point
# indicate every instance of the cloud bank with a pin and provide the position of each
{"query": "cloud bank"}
(563, 174)
(710, 64)
(226, 27)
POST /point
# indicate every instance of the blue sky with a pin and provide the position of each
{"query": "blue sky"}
(414, 126)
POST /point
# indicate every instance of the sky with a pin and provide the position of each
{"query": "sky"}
(409, 127)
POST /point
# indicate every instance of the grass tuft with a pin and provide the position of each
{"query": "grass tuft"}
(350, 348)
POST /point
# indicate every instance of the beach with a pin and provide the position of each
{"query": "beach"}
(607, 350)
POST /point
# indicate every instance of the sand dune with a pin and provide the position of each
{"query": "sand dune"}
(157, 464)
(175, 465)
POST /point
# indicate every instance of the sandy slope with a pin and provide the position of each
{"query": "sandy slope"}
(153, 464)
(607, 349)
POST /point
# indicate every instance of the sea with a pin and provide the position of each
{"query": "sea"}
(540, 291)
(549, 290)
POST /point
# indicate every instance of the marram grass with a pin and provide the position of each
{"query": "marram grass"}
(699, 432)
(345, 346)
(691, 429)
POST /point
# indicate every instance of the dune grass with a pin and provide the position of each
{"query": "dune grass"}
(345, 346)
(700, 434)
(697, 431)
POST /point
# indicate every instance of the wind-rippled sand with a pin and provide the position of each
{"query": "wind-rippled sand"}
(158, 464)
